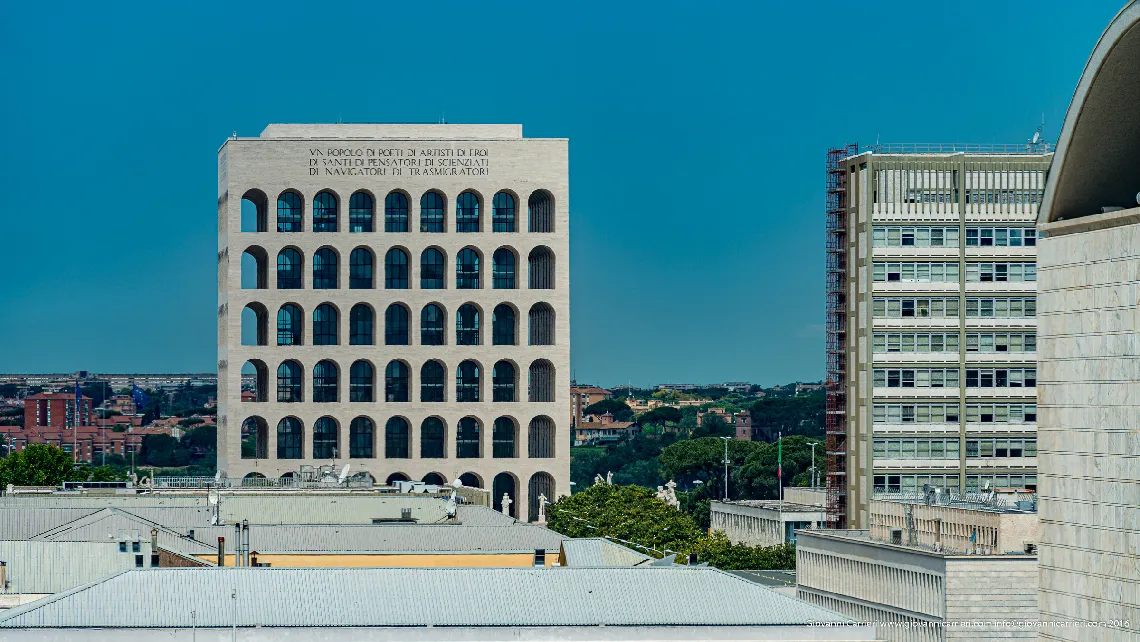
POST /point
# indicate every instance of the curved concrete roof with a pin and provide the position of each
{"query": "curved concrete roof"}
(1097, 162)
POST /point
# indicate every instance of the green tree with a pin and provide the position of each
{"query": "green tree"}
(756, 476)
(630, 513)
(718, 551)
(104, 474)
(660, 416)
(617, 407)
(162, 450)
(703, 460)
(192, 421)
(201, 438)
(39, 465)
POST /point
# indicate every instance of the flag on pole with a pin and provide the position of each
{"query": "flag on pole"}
(78, 404)
(140, 398)
(780, 457)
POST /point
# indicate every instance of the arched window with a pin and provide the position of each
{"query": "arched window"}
(325, 375)
(395, 477)
(467, 382)
(360, 325)
(434, 479)
(503, 325)
(541, 484)
(289, 438)
(360, 438)
(396, 269)
(541, 268)
(396, 438)
(325, 325)
(432, 269)
(289, 389)
(540, 438)
(254, 269)
(324, 269)
(431, 212)
(254, 438)
(467, 325)
(503, 438)
(467, 269)
(471, 480)
(360, 377)
(503, 269)
(288, 269)
(504, 484)
(540, 211)
(289, 212)
(260, 373)
(254, 211)
(396, 326)
(325, 438)
(432, 377)
(396, 213)
(360, 269)
(541, 325)
(289, 321)
(503, 213)
(396, 382)
(541, 381)
(432, 439)
(467, 439)
(431, 325)
(360, 210)
(467, 212)
(324, 212)
(503, 382)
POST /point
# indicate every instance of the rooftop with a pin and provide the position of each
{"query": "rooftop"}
(393, 131)
(864, 537)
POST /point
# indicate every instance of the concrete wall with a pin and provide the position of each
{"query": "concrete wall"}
(758, 526)
(998, 532)
(995, 591)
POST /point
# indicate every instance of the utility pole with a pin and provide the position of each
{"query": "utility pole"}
(726, 467)
(813, 475)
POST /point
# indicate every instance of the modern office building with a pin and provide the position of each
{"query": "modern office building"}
(931, 324)
(401, 294)
(1090, 351)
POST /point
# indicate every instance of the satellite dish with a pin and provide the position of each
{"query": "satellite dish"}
(457, 483)
(343, 474)
(212, 497)
(1036, 137)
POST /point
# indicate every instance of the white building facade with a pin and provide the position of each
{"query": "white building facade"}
(401, 295)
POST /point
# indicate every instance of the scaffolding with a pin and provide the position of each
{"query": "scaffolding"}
(835, 423)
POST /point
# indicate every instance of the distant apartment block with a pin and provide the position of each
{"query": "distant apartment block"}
(582, 397)
(680, 387)
(740, 421)
(602, 429)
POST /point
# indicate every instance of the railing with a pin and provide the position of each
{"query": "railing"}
(954, 148)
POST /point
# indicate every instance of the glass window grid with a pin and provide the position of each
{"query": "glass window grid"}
(396, 382)
(431, 325)
(431, 212)
(916, 377)
(1001, 377)
(1001, 237)
(324, 212)
(467, 269)
(324, 325)
(396, 326)
(289, 388)
(467, 326)
(325, 382)
(921, 307)
(1009, 272)
(992, 342)
(360, 382)
(396, 438)
(288, 269)
(467, 212)
(1001, 413)
(503, 382)
(432, 381)
(503, 438)
(360, 433)
(914, 236)
(467, 382)
(1001, 308)
(289, 212)
(289, 325)
(1003, 447)
(503, 270)
(467, 439)
(503, 325)
(289, 438)
(396, 212)
(324, 269)
(360, 210)
(432, 269)
(432, 444)
(937, 448)
(503, 213)
(888, 342)
(914, 272)
(915, 413)
(979, 482)
(360, 269)
(900, 483)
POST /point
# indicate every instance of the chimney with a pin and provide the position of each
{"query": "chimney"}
(221, 551)
(153, 541)
(245, 540)
(253, 559)
(237, 544)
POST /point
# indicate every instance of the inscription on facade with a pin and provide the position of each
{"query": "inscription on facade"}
(399, 161)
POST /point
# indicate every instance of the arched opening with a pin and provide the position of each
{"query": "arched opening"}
(396, 382)
(503, 381)
(432, 209)
(396, 269)
(434, 479)
(290, 325)
(503, 325)
(396, 326)
(467, 382)
(541, 387)
(471, 480)
(289, 266)
(396, 212)
(433, 439)
(254, 325)
(395, 477)
(540, 211)
(432, 325)
(361, 382)
(540, 442)
(360, 211)
(289, 212)
(289, 438)
(324, 212)
(325, 378)
(254, 381)
(254, 479)
(504, 436)
(287, 479)
(541, 262)
(467, 269)
(290, 382)
(467, 325)
(254, 438)
(396, 438)
(432, 376)
(360, 327)
(433, 269)
(360, 263)
(325, 266)
(361, 439)
(504, 484)
(503, 212)
(467, 443)
(325, 325)
(541, 325)
(254, 211)
(467, 212)
(325, 438)
(254, 268)
(503, 263)
(540, 488)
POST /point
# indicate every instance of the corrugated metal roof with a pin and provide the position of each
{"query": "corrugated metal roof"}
(51, 567)
(539, 597)
(29, 522)
(598, 551)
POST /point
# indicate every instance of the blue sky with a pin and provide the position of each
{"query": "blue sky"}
(697, 137)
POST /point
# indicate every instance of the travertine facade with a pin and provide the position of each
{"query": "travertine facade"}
(361, 228)
(764, 522)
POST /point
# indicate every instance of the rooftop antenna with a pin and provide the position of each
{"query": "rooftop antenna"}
(343, 475)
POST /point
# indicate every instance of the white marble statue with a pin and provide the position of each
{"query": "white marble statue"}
(506, 504)
(541, 509)
(671, 495)
(610, 477)
(598, 481)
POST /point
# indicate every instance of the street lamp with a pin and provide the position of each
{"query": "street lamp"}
(813, 475)
(726, 467)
